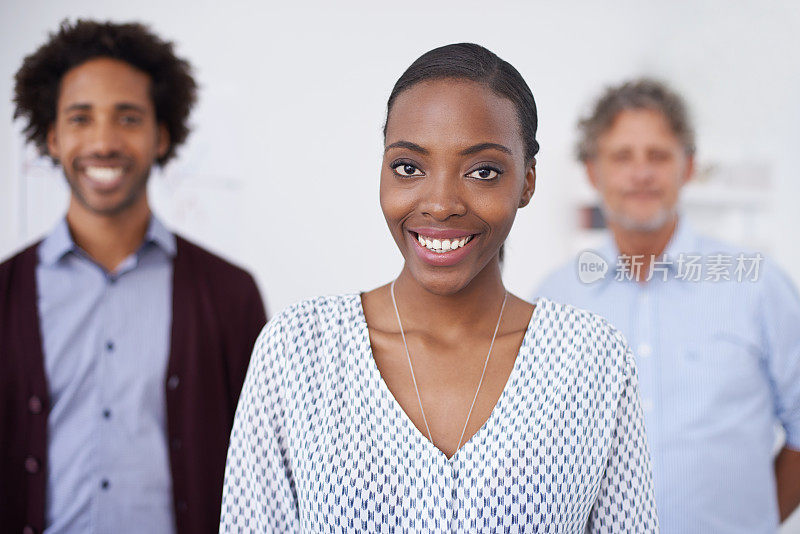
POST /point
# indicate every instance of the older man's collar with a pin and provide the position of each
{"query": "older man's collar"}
(683, 241)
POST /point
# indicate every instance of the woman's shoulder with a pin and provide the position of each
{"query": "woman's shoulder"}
(316, 312)
(306, 340)
(581, 332)
(574, 319)
(299, 327)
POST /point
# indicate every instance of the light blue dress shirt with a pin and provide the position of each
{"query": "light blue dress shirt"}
(719, 366)
(106, 344)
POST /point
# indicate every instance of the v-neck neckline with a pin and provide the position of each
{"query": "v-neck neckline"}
(498, 407)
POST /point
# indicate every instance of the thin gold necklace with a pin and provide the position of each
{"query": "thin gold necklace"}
(414, 379)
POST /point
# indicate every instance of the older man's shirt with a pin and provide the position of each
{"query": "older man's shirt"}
(106, 342)
(719, 366)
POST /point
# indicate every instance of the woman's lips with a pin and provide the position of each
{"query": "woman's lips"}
(441, 247)
(441, 233)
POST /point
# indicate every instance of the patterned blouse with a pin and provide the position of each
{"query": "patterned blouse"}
(319, 443)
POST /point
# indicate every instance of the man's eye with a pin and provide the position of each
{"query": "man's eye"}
(78, 119)
(406, 169)
(130, 119)
(484, 173)
(660, 156)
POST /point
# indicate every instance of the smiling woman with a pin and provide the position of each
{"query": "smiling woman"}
(440, 402)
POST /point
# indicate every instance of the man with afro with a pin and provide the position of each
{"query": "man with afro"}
(123, 347)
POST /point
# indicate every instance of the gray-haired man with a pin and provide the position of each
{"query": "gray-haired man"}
(715, 330)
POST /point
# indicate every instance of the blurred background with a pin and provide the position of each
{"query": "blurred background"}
(281, 172)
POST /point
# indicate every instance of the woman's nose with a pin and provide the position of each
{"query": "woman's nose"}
(443, 197)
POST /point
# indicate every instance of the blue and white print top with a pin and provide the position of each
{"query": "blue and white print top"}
(319, 444)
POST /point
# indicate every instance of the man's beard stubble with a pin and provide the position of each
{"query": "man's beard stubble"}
(656, 222)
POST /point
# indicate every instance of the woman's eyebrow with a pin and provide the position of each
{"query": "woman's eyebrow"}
(409, 145)
(485, 146)
(466, 152)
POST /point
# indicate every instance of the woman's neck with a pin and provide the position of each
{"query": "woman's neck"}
(467, 308)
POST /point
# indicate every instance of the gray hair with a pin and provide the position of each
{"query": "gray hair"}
(643, 93)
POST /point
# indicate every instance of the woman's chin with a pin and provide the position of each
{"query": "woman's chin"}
(445, 282)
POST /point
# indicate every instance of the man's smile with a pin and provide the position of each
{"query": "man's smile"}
(104, 175)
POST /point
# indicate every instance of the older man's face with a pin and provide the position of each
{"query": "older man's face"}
(639, 169)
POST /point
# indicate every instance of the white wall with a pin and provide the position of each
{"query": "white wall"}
(281, 172)
(287, 141)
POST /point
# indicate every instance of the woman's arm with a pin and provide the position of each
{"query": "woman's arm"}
(625, 501)
(258, 495)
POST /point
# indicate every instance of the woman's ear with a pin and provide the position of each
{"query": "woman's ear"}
(530, 185)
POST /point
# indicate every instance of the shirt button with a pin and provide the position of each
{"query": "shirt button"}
(35, 405)
(104, 484)
(645, 350)
(107, 413)
(109, 345)
(31, 465)
(173, 382)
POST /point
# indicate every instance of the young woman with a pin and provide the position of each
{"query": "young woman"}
(440, 402)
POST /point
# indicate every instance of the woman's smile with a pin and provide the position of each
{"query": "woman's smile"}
(453, 178)
(441, 247)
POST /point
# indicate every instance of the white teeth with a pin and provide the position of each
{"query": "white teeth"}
(104, 174)
(443, 245)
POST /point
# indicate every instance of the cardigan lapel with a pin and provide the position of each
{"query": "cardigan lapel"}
(23, 332)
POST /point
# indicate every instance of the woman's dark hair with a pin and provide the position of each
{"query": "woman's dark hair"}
(468, 61)
(38, 81)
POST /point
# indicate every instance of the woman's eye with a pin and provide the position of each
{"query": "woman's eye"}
(406, 169)
(485, 173)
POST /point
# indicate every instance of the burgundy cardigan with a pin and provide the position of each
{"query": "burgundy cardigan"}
(217, 314)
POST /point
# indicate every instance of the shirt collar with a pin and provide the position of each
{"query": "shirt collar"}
(158, 234)
(683, 240)
(59, 242)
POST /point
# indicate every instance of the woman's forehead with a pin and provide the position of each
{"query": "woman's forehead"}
(457, 112)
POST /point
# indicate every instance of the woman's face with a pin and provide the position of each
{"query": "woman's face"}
(453, 176)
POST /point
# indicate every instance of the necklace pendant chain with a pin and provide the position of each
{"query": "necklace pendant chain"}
(414, 378)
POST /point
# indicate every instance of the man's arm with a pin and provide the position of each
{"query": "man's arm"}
(787, 476)
(779, 310)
